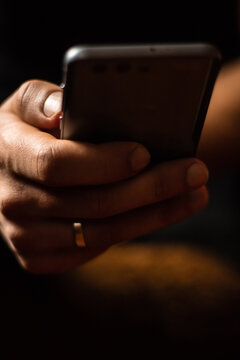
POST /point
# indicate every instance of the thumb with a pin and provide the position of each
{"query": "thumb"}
(38, 103)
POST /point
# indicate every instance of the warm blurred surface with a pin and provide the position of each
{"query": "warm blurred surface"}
(164, 295)
(175, 297)
(177, 289)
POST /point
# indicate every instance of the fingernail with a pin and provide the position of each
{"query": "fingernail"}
(197, 175)
(53, 104)
(140, 157)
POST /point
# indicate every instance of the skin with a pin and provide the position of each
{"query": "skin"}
(47, 184)
(219, 144)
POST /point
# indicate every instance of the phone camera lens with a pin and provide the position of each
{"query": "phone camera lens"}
(123, 68)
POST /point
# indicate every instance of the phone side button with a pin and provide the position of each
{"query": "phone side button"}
(61, 123)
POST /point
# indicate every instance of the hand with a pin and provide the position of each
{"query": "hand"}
(47, 184)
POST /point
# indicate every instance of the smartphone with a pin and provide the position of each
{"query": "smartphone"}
(155, 94)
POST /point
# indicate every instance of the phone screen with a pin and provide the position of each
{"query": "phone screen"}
(159, 102)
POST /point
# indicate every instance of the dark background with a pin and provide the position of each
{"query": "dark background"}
(34, 38)
(49, 314)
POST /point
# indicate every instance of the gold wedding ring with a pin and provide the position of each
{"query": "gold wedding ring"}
(78, 235)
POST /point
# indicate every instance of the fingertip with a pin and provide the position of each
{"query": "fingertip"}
(52, 104)
(197, 175)
(139, 158)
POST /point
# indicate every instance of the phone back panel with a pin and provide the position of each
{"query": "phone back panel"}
(159, 100)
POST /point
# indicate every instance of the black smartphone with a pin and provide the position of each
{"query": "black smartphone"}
(154, 94)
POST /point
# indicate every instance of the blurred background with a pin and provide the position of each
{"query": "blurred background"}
(177, 288)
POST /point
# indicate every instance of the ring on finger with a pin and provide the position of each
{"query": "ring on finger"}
(79, 239)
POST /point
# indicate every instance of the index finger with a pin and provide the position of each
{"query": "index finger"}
(39, 156)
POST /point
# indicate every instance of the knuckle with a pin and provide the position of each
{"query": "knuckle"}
(19, 238)
(16, 200)
(10, 206)
(25, 92)
(24, 201)
(46, 164)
